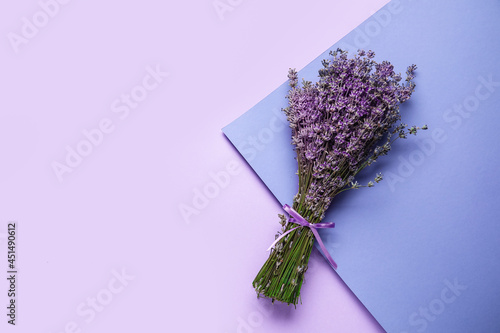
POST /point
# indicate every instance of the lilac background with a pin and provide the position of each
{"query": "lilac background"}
(119, 209)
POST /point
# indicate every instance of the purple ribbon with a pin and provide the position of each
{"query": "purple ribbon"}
(296, 218)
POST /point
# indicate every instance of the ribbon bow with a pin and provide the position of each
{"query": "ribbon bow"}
(298, 219)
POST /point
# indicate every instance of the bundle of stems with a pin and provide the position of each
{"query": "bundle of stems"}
(340, 125)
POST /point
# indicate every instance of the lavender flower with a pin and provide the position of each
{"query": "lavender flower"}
(340, 125)
(337, 121)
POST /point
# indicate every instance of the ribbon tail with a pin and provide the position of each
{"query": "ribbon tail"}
(323, 248)
(280, 237)
(324, 225)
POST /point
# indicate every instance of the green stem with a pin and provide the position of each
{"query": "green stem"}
(283, 281)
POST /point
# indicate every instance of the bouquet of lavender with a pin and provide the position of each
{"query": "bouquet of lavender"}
(340, 125)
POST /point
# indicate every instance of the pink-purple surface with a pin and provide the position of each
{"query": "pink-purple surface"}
(134, 212)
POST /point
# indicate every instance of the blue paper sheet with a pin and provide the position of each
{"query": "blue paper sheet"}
(421, 249)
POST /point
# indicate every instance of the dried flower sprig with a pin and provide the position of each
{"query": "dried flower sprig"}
(337, 125)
